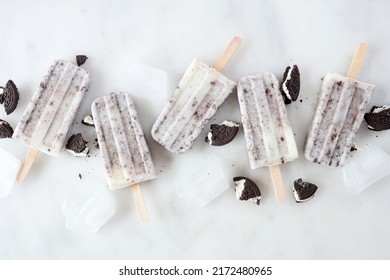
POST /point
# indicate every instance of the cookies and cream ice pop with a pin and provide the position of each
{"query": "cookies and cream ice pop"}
(341, 106)
(196, 99)
(268, 134)
(122, 143)
(269, 137)
(45, 123)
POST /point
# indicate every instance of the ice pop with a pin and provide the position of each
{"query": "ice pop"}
(122, 143)
(268, 134)
(46, 121)
(340, 110)
(196, 99)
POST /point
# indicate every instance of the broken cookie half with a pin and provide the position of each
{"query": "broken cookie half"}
(6, 130)
(303, 191)
(291, 84)
(247, 190)
(9, 97)
(378, 118)
(222, 134)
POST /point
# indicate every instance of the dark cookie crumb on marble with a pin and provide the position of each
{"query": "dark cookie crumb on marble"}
(81, 59)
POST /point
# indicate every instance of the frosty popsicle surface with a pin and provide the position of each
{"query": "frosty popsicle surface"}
(122, 143)
(268, 133)
(196, 99)
(340, 110)
(46, 121)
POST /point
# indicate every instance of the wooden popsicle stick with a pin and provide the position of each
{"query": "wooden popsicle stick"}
(227, 55)
(139, 203)
(278, 183)
(357, 61)
(27, 163)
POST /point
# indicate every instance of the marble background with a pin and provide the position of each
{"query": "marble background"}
(319, 36)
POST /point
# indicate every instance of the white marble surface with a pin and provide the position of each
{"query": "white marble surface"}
(319, 36)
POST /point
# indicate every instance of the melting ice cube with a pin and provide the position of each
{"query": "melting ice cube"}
(365, 168)
(198, 178)
(87, 210)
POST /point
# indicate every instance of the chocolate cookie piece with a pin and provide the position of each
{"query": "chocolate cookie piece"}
(291, 84)
(6, 130)
(81, 59)
(303, 191)
(247, 190)
(354, 148)
(88, 121)
(223, 133)
(77, 145)
(379, 118)
(9, 97)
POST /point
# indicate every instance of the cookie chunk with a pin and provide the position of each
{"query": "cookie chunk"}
(77, 145)
(6, 130)
(88, 121)
(222, 134)
(247, 190)
(81, 59)
(379, 118)
(303, 191)
(10, 97)
(291, 84)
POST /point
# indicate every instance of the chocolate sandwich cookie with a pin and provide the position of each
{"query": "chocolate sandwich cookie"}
(379, 118)
(303, 191)
(10, 97)
(290, 84)
(222, 134)
(81, 59)
(247, 190)
(6, 130)
(77, 145)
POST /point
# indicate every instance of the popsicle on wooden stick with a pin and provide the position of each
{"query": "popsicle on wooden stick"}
(46, 121)
(340, 111)
(196, 99)
(122, 143)
(268, 134)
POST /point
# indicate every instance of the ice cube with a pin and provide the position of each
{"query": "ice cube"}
(198, 178)
(365, 168)
(87, 210)
(9, 167)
